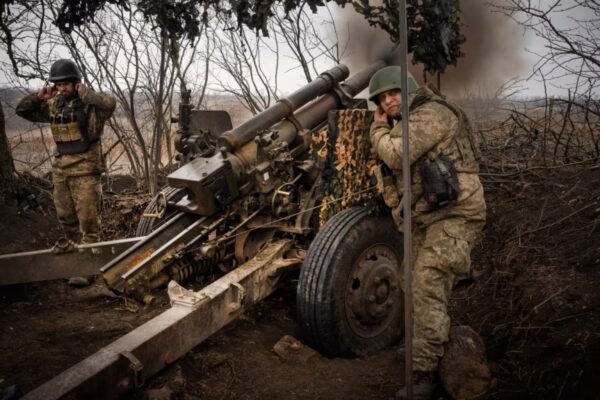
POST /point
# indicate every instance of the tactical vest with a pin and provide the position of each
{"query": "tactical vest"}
(68, 123)
(460, 148)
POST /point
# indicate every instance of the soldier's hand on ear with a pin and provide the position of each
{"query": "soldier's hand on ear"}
(380, 115)
(80, 88)
(46, 93)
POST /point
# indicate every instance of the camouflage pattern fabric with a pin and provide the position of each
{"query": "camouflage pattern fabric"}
(440, 254)
(77, 200)
(442, 238)
(76, 177)
(90, 162)
(343, 152)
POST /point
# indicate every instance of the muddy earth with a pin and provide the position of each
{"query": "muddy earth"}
(534, 298)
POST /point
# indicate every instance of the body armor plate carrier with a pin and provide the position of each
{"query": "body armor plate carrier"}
(69, 126)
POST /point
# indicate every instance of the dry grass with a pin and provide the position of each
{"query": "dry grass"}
(535, 299)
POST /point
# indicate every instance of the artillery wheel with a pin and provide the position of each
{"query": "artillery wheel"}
(146, 225)
(349, 300)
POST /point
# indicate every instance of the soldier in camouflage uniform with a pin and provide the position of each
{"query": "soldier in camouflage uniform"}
(77, 116)
(443, 235)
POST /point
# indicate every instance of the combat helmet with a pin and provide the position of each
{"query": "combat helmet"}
(64, 70)
(388, 78)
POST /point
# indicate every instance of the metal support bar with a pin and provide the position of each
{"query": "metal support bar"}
(149, 251)
(136, 372)
(407, 198)
(113, 370)
(62, 261)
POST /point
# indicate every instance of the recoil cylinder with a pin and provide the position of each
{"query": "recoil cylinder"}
(188, 267)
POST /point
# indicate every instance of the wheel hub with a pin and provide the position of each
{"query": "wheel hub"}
(373, 295)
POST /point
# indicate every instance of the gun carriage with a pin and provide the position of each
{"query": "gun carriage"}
(247, 205)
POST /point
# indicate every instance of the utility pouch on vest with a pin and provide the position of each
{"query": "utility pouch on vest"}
(68, 132)
(69, 127)
(386, 185)
(440, 181)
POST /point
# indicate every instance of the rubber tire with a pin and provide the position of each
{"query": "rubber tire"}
(147, 225)
(320, 296)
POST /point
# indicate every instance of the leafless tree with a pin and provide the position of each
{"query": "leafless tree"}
(120, 53)
(242, 56)
(253, 64)
(565, 126)
(309, 37)
(24, 62)
(7, 168)
(141, 66)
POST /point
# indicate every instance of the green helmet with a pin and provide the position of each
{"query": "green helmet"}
(64, 70)
(388, 78)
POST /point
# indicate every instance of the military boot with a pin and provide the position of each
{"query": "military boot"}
(424, 384)
(72, 232)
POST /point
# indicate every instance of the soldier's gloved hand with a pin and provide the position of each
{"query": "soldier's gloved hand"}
(47, 92)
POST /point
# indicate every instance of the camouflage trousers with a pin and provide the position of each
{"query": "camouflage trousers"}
(440, 255)
(77, 200)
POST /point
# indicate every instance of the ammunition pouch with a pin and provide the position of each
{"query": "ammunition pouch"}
(386, 185)
(440, 181)
(69, 127)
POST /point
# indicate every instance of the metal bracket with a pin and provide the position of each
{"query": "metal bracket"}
(180, 296)
(342, 94)
(239, 294)
(136, 369)
(291, 116)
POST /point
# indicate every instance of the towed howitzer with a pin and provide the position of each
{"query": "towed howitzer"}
(259, 183)
(238, 219)
(251, 153)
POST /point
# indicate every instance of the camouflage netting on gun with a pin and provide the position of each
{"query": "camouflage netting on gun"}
(343, 151)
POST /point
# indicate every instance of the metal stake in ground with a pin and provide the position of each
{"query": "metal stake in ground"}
(408, 303)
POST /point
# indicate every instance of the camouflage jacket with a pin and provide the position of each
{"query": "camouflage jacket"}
(101, 107)
(436, 127)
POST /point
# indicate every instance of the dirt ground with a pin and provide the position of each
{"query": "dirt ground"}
(534, 299)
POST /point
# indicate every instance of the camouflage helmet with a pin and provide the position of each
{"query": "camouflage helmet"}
(64, 70)
(388, 78)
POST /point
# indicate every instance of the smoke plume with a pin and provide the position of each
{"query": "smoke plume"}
(494, 51)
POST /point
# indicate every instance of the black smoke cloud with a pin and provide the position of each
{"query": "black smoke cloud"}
(494, 49)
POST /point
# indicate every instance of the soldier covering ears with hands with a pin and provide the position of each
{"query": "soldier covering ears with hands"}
(77, 116)
(447, 201)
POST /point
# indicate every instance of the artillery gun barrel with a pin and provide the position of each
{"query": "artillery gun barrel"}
(315, 112)
(284, 107)
(309, 116)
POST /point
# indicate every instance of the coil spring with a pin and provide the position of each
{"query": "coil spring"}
(187, 267)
